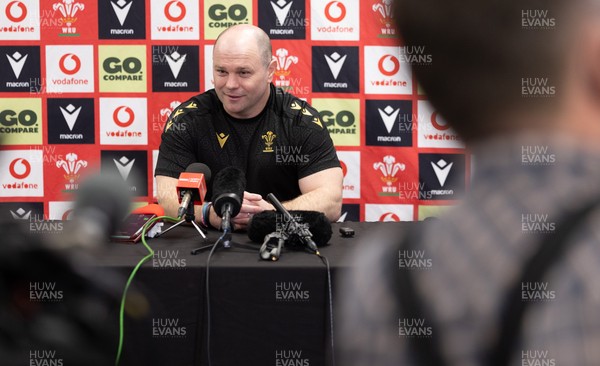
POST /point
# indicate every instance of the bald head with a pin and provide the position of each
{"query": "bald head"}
(243, 68)
(244, 36)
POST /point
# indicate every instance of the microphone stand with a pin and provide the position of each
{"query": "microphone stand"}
(293, 226)
(189, 217)
(270, 251)
(226, 226)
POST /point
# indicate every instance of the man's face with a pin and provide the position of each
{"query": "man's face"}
(241, 79)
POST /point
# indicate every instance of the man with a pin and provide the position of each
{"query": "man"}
(519, 80)
(248, 123)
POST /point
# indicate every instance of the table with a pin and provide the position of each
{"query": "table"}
(262, 313)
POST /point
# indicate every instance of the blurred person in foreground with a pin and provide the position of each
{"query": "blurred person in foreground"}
(246, 122)
(519, 80)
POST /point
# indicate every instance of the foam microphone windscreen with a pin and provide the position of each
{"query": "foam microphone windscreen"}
(228, 187)
(266, 222)
(104, 200)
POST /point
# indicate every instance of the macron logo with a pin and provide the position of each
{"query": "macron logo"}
(441, 169)
(70, 114)
(21, 214)
(281, 10)
(335, 62)
(175, 61)
(124, 166)
(121, 9)
(17, 61)
(389, 116)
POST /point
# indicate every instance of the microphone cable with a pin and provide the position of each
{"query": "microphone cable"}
(130, 279)
(330, 293)
(208, 316)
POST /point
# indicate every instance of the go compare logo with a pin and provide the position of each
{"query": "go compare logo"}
(21, 121)
(220, 15)
(122, 68)
(342, 119)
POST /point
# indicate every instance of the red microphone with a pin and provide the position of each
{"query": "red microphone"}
(191, 187)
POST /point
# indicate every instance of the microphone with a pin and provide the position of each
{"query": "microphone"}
(228, 193)
(191, 186)
(102, 203)
(88, 294)
(294, 228)
(266, 222)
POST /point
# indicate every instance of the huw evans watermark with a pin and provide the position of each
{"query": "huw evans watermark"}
(537, 291)
(168, 328)
(414, 259)
(532, 155)
(290, 358)
(168, 259)
(291, 292)
(536, 358)
(537, 224)
(45, 292)
(414, 328)
(44, 358)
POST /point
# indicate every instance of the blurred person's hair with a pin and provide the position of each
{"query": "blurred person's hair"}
(480, 52)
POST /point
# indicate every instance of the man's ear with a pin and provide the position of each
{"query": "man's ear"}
(271, 69)
(592, 59)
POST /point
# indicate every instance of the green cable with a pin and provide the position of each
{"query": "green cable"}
(133, 272)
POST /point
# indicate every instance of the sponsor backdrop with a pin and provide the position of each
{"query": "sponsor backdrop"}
(89, 85)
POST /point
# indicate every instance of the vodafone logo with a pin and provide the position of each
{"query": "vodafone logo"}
(19, 168)
(69, 64)
(335, 11)
(344, 168)
(389, 216)
(440, 126)
(122, 121)
(16, 11)
(21, 180)
(70, 70)
(175, 15)
(389, 65)
(67, 215)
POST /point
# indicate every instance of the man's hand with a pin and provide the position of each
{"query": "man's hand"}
(253, 203)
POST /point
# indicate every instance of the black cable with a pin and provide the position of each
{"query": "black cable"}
(326, 261)
(197, 250)
(208, 295)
